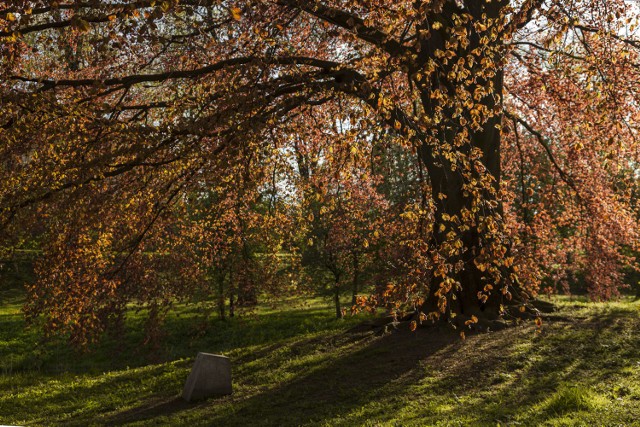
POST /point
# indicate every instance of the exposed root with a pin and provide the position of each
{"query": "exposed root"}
(466, 323)
(514, 314)
(544, 306)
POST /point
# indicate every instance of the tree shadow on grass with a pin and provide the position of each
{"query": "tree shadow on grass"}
(323, 389)
(29, 353)
(503, 377)
(153, 408)
(500, 385)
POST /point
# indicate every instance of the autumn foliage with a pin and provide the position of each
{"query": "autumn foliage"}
(451, 159)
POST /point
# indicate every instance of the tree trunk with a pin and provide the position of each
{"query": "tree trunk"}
(336, 297)
(458, 288)
(232, 289)
(221, 302)
(232, 312)
(356, 280)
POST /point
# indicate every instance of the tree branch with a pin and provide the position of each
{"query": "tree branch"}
(349, 22)
(181, 74)
(545, 144)
(523, 16)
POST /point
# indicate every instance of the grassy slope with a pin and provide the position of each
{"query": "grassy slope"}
(298, 366)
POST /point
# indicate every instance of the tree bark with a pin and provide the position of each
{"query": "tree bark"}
(448, 181)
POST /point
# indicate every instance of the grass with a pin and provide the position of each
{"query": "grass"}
(296, 365)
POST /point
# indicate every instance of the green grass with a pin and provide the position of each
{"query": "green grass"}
(296, 365)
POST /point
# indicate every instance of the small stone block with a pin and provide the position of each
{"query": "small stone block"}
(210, 376)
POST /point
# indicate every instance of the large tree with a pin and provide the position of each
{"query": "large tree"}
(120, 108)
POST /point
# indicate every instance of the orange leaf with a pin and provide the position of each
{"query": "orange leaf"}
(236, 13)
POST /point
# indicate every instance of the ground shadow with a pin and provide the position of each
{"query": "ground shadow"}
(328, 389)
(513, 386)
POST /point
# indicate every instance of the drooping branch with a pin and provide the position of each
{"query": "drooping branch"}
(143, 158)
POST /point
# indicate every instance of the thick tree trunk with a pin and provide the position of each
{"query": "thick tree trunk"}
(453, 204)
(450, 180)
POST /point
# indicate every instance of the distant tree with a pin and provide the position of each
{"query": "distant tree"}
(339, 208)
(343, 239)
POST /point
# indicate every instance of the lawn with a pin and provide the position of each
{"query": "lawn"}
(296, 365)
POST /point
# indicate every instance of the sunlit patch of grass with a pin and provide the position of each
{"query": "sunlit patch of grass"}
(572, 399)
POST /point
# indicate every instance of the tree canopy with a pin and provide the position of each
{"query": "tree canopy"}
(455, 157)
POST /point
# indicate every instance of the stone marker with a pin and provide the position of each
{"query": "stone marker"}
(210, 376)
